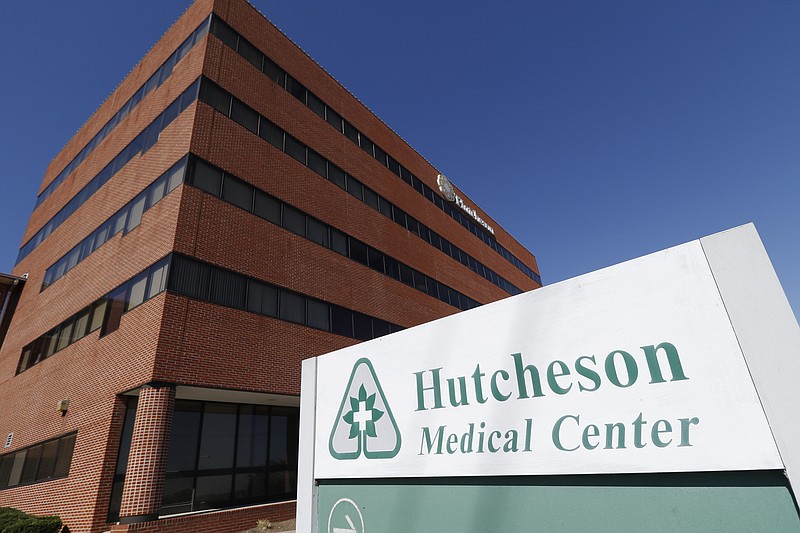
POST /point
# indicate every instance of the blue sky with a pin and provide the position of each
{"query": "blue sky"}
(595, 132)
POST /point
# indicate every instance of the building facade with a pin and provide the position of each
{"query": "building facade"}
(227, 212)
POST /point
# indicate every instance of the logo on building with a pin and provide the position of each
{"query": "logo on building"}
(450, 195)
(364, 424)
(446, 187)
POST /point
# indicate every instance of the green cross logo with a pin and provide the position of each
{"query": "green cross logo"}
(365, 424)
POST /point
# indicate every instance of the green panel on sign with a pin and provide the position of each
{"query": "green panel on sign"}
(697, 502)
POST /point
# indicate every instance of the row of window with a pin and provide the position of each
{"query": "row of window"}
(141, 144)
(156, 80)
(249, 52)
(224, 102)
(209, 283)
(41, 462)
(220, 455)
(104, 314)
(190, 277)
(245, 196)
(125, 219)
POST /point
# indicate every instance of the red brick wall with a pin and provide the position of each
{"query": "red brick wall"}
(172, 338)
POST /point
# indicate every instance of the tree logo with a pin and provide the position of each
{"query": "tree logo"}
(365, 423)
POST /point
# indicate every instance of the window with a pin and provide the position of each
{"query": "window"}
(368, 146)
(228, 289)
(341, 321)
(292, 307)
(315, 104)
(267, 208)
(218, 437)
(221, 455)
(334, 119)
(380, 328)
(318, 315)
(362, 327)
(318, 231)
(294, 220)
(64, 335)
(244, 115)
(350, 132)
(158, 278)
(98, 312)
(217, 98)
(317, 163)
(295, 88)
(274, 72)
(380, 155)
(207, 178)
(238, 193)
(338, 242)
(354, 187)
(295, 149)
(358, 251)
(114, 311)
(262, 298)
(81, 324)
(137, 291)
(250, 53)
(371, 198)
(271, 133)
(40, 462)
(375, 259)
(337, 176)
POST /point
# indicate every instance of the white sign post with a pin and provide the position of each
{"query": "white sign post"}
(680, 361)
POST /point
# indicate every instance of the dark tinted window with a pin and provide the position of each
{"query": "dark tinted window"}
(267, 208)
(244, 116)
(318, 315)
(295, 149)
(371, 198)
(362, 327)
(350, 132)
(218, 437)
(294, 220)
(341, 321)
(296, 89)
(238, 193)
(250, 53)
(273, 71)
(354, 187)
(338, 242)
(337, 176)
(317, 163)
(358, 251)
(216, 98)
(292, 307)
(271, 133)
(228, 289)
(207, 178)
(190, 278)
(315, 104)
(375, 259)
(318, 231)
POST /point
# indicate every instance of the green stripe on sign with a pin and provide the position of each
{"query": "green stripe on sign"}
(695, 502)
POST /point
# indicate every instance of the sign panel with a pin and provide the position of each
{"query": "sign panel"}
(634, 368)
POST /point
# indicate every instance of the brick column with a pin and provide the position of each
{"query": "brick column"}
(147, 460)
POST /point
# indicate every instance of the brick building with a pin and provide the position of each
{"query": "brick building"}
(227, 212)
